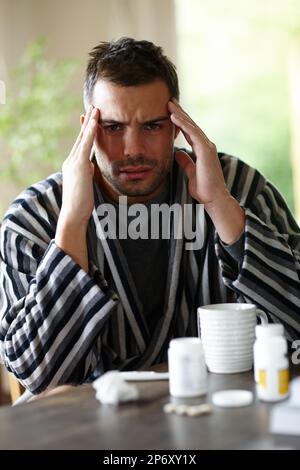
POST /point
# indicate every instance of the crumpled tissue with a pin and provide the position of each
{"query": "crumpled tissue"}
(112, 389)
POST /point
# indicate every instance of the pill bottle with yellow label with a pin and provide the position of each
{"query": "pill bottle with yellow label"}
(272, 366)
(263, 332)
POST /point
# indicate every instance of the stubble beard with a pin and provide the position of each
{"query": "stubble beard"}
(111, 171)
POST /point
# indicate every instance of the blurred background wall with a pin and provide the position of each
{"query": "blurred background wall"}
(238, 64)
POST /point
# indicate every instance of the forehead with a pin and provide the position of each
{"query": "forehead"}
(142, 100)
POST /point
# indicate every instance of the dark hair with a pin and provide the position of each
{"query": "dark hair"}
(128, 62)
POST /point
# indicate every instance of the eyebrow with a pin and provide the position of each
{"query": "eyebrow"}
(150, 121)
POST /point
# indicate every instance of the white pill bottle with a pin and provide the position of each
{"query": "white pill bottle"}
(187, 368)
(262, 332)
(272, 368)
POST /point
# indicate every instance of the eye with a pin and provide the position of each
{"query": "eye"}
(113, 128)
(152, 126)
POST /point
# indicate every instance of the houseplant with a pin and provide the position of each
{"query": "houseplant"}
(35, 120)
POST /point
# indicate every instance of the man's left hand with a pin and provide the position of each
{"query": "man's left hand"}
(206, 180)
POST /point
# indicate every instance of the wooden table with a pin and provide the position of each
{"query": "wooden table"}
(76, 420)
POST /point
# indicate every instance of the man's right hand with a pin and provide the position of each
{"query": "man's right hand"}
(78, 173)
(77, 196)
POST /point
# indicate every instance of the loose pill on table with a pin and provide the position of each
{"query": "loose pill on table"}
(199, 410)
(169, 408)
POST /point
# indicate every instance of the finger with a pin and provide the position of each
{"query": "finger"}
(186, 163)
(83, 127)
(176, 107)
(178, 123)
(89, 134)
(191, 132)
(87, 118)
(177, 110)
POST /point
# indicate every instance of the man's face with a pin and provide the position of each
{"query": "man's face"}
(134, 141)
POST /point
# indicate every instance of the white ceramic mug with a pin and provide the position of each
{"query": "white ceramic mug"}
(228, 333)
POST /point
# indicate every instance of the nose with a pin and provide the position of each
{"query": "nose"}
(133, 143)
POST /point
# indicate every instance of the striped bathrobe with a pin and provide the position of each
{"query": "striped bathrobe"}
(61, 325)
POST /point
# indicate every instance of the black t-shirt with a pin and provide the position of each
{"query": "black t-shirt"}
(147, 260)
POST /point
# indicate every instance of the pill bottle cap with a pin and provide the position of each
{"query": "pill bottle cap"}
(232, 398)
(186, 345)
(268, 330)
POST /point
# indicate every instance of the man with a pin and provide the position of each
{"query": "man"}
(75, 303)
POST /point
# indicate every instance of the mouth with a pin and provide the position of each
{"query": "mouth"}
(135, 172)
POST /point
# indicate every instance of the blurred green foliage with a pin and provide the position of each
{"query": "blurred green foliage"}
(36, 117)
(233, 67)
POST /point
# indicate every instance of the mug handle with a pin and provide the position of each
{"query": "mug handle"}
(262, 316)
